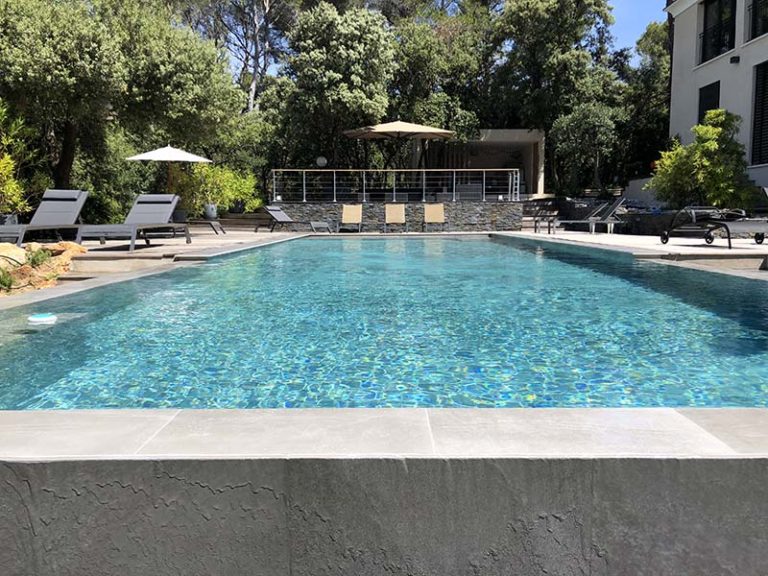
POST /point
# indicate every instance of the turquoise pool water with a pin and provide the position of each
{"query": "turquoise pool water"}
(397, 322)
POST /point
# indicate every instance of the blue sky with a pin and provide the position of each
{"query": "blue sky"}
(632, 16)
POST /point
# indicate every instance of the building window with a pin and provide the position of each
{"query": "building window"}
(760, 127)
(758, 18)
(719, 34)
(709, 99)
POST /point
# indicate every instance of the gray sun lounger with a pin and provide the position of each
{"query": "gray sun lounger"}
(550, 220)
(58, 210)
(606, 218)
(149, 212)
(280, 218)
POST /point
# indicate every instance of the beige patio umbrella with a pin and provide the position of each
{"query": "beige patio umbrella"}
(168, 154)
(399, 130)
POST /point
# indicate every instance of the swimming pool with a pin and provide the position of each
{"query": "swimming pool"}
(428, 322)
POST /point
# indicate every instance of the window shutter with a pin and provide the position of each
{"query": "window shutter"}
(760, 127)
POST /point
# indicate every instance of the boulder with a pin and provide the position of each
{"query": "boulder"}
(17, 256)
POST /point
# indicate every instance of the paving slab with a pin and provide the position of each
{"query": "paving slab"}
(294, 433)
(566, 432)
(745, 430)
(60, 434)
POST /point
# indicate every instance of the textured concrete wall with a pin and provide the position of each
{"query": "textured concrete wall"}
(385, 517)
(461, 216)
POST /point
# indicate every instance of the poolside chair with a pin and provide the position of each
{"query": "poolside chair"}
(434, 214)
(58, 210)
(351, 218)
(394, 215)
(596, 212)
(149, 212)
(280, 218)
(606, 217)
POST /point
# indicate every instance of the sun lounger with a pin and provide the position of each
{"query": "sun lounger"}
(280, 218)
(351, 217)
(607, 218)
(434, 214)
(544, 215)
(703, 221)
(58, 210)
(394, 215)
(149, 212)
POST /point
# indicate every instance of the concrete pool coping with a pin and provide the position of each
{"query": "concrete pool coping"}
(444, 433)
(384, 433)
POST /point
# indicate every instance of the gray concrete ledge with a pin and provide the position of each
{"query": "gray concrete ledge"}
(385, 517)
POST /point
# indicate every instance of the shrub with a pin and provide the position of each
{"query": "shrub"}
(38, 257)
(6, 280)
(206, 184)
(712, 170)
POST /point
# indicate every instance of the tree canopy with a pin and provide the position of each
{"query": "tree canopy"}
(260, 84)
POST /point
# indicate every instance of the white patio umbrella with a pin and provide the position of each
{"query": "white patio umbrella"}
(168, 154)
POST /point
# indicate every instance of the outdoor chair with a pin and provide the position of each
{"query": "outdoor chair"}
(607, 218)
(280, 218)
(434, 214)
(351, 218)
(149, 212)
(394, 215)
(58, 210)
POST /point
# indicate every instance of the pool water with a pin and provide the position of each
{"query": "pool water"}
(429, 322)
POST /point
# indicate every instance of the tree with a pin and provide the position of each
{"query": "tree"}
(556, 58)
(646, 130)
(253, 31)
(341, 66)
(712, 170)
(15, 154)
(584, 138)
(72, 67)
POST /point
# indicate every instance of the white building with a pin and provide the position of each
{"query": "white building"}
(720, 60)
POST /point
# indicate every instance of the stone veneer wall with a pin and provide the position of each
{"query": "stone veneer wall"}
(385, 517)
(461, 216)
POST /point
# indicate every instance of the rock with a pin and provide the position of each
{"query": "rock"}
(17, 255)
(65, 247)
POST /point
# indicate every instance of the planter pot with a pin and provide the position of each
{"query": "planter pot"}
(210, 212)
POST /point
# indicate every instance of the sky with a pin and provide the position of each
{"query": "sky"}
(632, 16)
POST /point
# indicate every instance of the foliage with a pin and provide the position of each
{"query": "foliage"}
(341, 66)
(584, 138)
(6, 279)
(73, 67)
(207, 184)
(712, 170)
(13, 153)
(646, 128)
(39, 257)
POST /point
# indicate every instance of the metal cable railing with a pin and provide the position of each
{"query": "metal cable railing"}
(362, 186)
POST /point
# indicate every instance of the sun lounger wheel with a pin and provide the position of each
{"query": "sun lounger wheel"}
(759, 238)
(709, 238)
(664, 237)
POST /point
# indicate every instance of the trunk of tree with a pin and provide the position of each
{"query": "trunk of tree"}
(254, 58)
(62, 171)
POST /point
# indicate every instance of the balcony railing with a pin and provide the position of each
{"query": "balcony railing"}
(758, 18)
(717, 39)
(503, 185)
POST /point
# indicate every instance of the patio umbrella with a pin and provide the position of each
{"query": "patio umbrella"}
(399, 130)
(168, 154)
